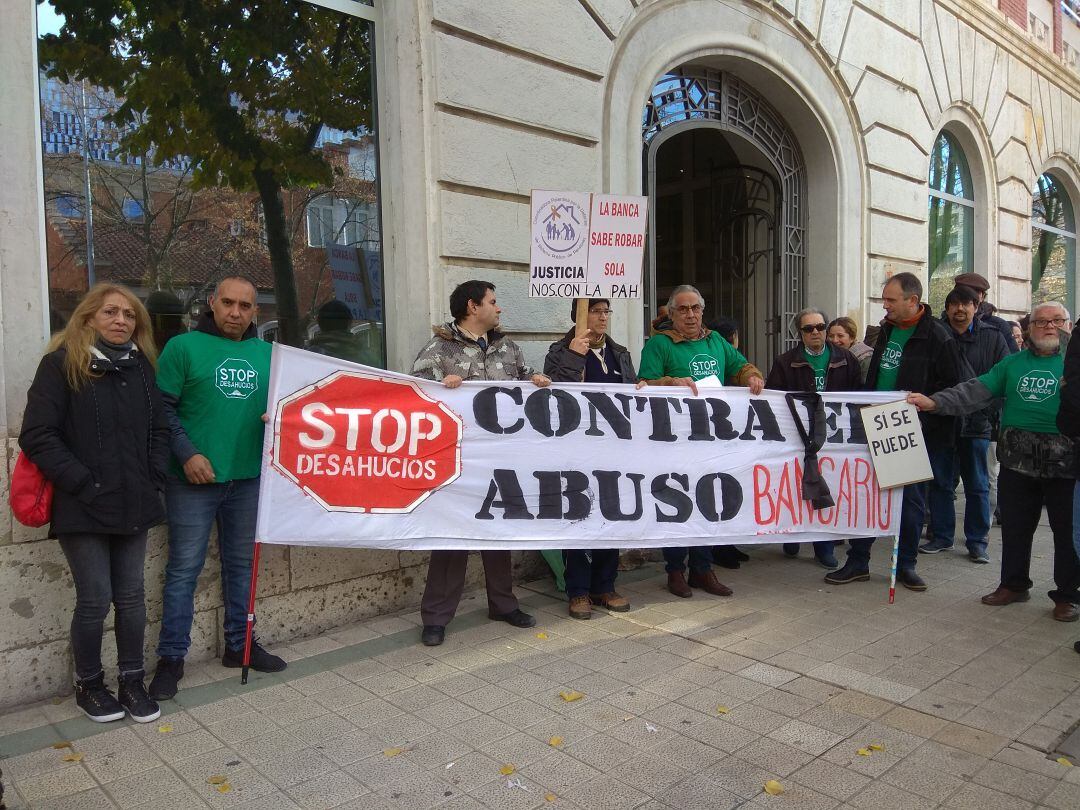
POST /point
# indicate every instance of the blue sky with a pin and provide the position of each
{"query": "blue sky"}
(48, 20)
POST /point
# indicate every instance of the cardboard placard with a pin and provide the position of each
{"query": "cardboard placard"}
(897, 448)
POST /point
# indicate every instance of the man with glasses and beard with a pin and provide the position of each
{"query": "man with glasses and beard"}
(682, 351)
(814, 366)
(1037, 462)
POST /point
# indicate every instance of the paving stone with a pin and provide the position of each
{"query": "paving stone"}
(418, 790)
(830, 779)
(774, 756)
(93, 799)
(883, 796)
(930, 783)
(970, 739)
(606, 793)
(1014, 781)
(52, 784)
(807, 738)
(977, 797)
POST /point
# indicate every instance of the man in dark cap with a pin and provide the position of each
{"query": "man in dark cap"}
(985, 312)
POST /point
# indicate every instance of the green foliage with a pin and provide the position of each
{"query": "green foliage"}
(236, 87)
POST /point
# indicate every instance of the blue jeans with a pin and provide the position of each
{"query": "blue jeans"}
(193, 510)
(591, 572)
(970, 457)
(912, 514)
(700, 559)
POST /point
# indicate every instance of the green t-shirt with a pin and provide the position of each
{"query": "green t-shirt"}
(818, 363)
(889, 369)
(663, 357)
(221, 385)
(1031, 386)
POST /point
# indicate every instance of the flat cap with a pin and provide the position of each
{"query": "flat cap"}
(973, 280)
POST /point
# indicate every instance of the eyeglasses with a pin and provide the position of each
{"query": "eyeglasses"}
(1041, 323)
(604, 312)
(686, 309)
(812, 327)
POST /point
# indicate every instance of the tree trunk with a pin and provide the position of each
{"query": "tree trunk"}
(277, 243)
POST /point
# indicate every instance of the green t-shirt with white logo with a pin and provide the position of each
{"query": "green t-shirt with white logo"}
(221, 385)
(663, 357)
(1031, 386)
(889, 369)
(819, 363)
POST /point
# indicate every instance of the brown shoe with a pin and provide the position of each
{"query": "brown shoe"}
(1066, 612)
(580, 607)
(707, 581)
(612, 601)
(676, 583)
(1003, 596)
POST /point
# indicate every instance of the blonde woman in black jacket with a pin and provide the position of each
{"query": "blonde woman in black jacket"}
(96, 428)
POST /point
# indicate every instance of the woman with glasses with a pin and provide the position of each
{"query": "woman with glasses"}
(815, 365)
(591, 357)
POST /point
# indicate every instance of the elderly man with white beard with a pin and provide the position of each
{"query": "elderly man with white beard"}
(1037, 462)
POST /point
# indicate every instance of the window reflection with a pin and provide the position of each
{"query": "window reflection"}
(951, 218)
(1053, 243)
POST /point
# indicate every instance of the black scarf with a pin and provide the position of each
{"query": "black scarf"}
(114, 351)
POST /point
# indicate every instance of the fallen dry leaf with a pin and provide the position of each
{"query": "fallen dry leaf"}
(722, 710)
(773, 788)
(165, 728)
(506, 770)
(393, 752)
(876, 747)
(542, 635)
(555, 742)
(864, 752)
(571, 695)
(1065, 761)
(64, 744)
(217, 779)
(224, 787)
(72, 757)
(550, 797)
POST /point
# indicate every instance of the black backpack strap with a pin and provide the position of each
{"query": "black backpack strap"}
(814, 487)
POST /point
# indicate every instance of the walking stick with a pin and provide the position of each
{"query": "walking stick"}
(251, 613)
(892, 581)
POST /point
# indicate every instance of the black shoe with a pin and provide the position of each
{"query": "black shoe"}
(516, 617)
(167, 678)
(132, 696)
(1076, 646)
(96, 701)
(851, 572)
(910, 580)
(740, 555)
(934, 547)
(791, 549)
(433, 635)
(261, 660)
(727, 556)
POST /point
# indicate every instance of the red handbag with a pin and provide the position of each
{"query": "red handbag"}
(31, 493)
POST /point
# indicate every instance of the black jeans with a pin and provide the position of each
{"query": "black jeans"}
(1021, 499)
(591, 572)
(107, 569)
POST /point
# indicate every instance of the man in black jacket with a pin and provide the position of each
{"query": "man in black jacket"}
(814, 366)
(982, 346)
(984, 310)
(914, 352)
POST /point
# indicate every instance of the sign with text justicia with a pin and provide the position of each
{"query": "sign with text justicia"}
(586, 245)
(356, 456)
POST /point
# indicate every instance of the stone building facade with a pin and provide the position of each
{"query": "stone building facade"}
(795, 152)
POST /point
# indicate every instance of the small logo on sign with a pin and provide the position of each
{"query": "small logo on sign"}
(1037, 386)
(236, 379)
(560, 228)
(702, 365)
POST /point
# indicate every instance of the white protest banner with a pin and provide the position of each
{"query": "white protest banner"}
(895, 438)
(360, 457)
(560, 245)
(617, 244)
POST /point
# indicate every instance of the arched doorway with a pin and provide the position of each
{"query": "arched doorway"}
(726, 180)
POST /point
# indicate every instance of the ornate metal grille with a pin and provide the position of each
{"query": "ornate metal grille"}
(689, 94)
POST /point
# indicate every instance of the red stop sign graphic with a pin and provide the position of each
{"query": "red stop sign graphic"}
(357, 442)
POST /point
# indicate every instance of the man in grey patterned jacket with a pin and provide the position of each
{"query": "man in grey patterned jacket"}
(470, 347)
